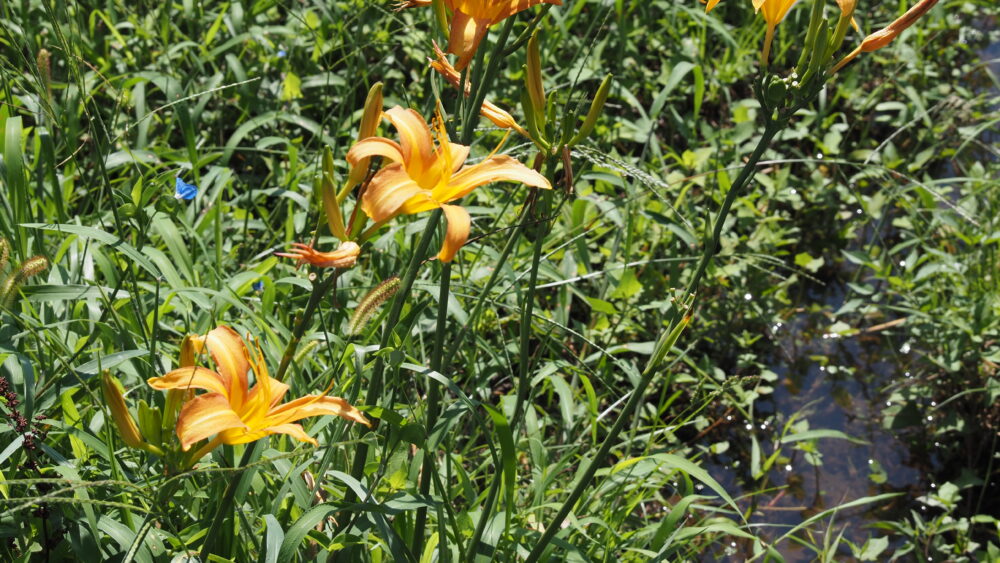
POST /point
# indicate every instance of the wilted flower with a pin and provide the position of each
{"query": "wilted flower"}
(884, 36)
(471, 19)
(490, 111)
(344, 257)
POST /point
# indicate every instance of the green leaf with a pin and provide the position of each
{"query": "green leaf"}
(601, 306)
(273, 540)
(816, 434)
(102, 237)
(873, 548)
(297, 532)
(805, 261)
(291, 87)
(628, 286)
(700, 474)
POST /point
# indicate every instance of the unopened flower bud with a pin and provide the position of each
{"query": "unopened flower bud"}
(533, 81)
(370, 119)
(596, 109)
(331, 202)
(127, 429)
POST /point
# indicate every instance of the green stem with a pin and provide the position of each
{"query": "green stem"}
(433, 406)
(527, 306)
(663, 345)
(162, 501)
(477, 309)
(375, 387)
(319, 290)
(226, 505)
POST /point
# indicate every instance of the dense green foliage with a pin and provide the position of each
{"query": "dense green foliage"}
(852, 311)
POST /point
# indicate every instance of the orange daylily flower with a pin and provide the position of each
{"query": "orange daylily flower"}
(774, 11)
(423, 176)
(471, 19)
(232, 411)
(490, 111)
(344, 257)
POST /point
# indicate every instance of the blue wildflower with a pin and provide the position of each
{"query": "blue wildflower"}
(185, 190)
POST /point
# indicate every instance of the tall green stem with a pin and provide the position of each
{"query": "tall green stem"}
(663, 345)
(433, 405)
(527, 306)
(319, 290)
(378, 373)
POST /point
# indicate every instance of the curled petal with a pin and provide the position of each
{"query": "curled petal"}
(497, 168)
(293, 430)
(374, 146)
(204, 416)
(313, 405)
(344, 257)
(229, 353)
(711, 5)
(457, 233)
(447, 71)
(415, 140)
(191, 377)
(389, 189)
(404, 4)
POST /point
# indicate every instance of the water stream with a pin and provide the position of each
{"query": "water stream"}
(839, 383)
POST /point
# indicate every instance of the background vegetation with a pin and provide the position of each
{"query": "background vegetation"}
(835, 395)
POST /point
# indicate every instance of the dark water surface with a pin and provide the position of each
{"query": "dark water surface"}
(841, 383)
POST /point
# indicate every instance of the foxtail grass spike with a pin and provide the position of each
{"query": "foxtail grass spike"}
(44, 62)
(4, 253)
(30, 267)
(370, 303)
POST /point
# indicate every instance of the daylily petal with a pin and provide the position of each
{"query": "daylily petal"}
(389, 189)
(312, 405)
(204, 416)
(277, 391)
(374, 146)
(464, 37)
(293, 430)
(457, 233)
(227, 349)
(191, 377)
(496, 168)
(240, 436)
(459, 153)
(415, 140)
